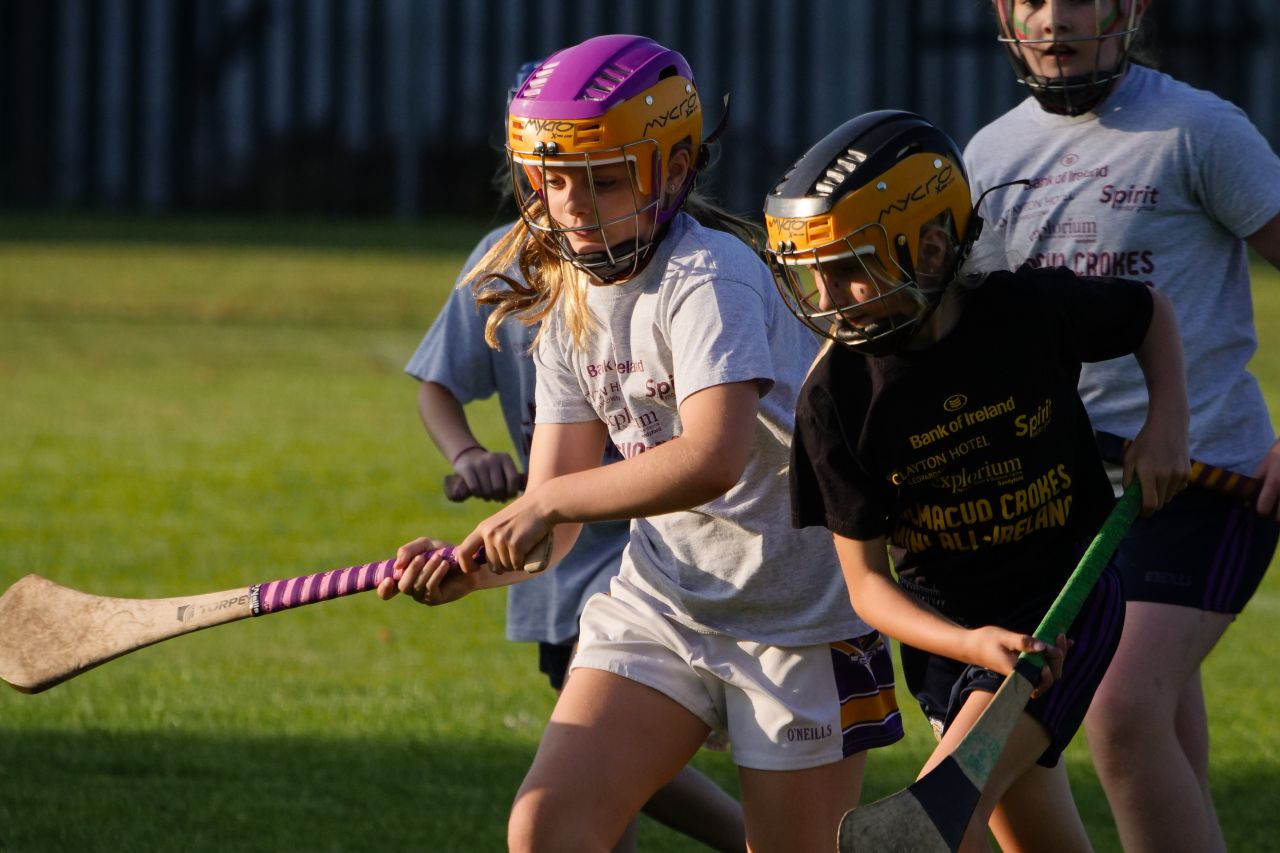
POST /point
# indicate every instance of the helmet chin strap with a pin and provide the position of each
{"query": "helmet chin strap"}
(885, 335)
(610, 266)
(1070, 96)
(1077, 94)
(871, 341)
(613, 265)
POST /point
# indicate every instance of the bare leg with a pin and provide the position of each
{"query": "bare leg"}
(627, 843)
(1038, 815)
(694, 805)
(610, 744)
(1148, 731)
(1192, 725)
(1028, 807)
(797, 811)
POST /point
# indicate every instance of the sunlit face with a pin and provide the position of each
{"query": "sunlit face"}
(1059, 38)
(597, 207)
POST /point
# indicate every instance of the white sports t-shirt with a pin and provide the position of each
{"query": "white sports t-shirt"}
(1160, 183)
(704, 312)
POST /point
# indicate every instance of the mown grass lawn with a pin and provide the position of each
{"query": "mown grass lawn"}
(196, 405)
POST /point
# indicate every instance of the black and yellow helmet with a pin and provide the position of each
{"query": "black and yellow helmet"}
(887, 192)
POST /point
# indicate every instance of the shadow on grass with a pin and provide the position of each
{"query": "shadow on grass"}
(144, 792)
(1243, 796)
(107, 791)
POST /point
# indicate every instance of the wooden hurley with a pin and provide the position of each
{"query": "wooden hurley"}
(50, 633)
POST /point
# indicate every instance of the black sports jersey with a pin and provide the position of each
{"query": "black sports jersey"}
(974, 455)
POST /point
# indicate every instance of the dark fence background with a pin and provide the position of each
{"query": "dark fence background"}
(395, 106)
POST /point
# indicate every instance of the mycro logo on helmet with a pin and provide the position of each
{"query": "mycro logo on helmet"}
(932, 186)
(785, 226)
(555, 127)
(684, 109)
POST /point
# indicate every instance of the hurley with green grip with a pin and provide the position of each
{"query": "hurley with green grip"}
(934, 812)
(1067, 605)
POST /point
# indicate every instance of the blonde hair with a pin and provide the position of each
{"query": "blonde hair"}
(549, 281)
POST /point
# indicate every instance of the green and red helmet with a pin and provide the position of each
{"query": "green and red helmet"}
(1113, 20)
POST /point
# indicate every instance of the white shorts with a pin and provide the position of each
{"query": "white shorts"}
(782, 707)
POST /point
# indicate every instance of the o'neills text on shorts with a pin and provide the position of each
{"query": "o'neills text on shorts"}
(799, 733)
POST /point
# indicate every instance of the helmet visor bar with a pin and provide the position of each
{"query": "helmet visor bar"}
(618, 258)
(843, 291)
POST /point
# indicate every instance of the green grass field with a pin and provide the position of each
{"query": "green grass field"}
(190, 406)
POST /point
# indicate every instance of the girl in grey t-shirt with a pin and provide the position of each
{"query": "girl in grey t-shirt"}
(1135, 174)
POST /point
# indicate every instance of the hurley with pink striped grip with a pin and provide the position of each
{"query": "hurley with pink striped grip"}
(50, 633)
(274, 596)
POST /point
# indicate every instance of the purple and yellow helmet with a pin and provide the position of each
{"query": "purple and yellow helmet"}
(610, 99)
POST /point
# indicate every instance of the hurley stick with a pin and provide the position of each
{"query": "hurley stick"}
(1202, 474)
(50, 633)
(933, 813)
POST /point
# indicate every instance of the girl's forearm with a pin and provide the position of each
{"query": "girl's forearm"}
(668, 478)
(445, 420)
(883, 605)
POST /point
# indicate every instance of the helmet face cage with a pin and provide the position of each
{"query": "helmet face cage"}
(1114, 20)
(616, 261)
(610, 99)
(894, 302)
(877, 214)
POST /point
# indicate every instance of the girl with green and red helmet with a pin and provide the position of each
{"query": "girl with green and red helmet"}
(1135, 173)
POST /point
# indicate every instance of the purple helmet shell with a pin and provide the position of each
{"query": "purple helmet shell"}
(593, 77)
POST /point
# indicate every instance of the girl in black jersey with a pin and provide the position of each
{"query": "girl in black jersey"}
(941, 422)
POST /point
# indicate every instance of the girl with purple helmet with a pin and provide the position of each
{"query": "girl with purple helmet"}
(1134, 173)
(456, 366)
(662, 332)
